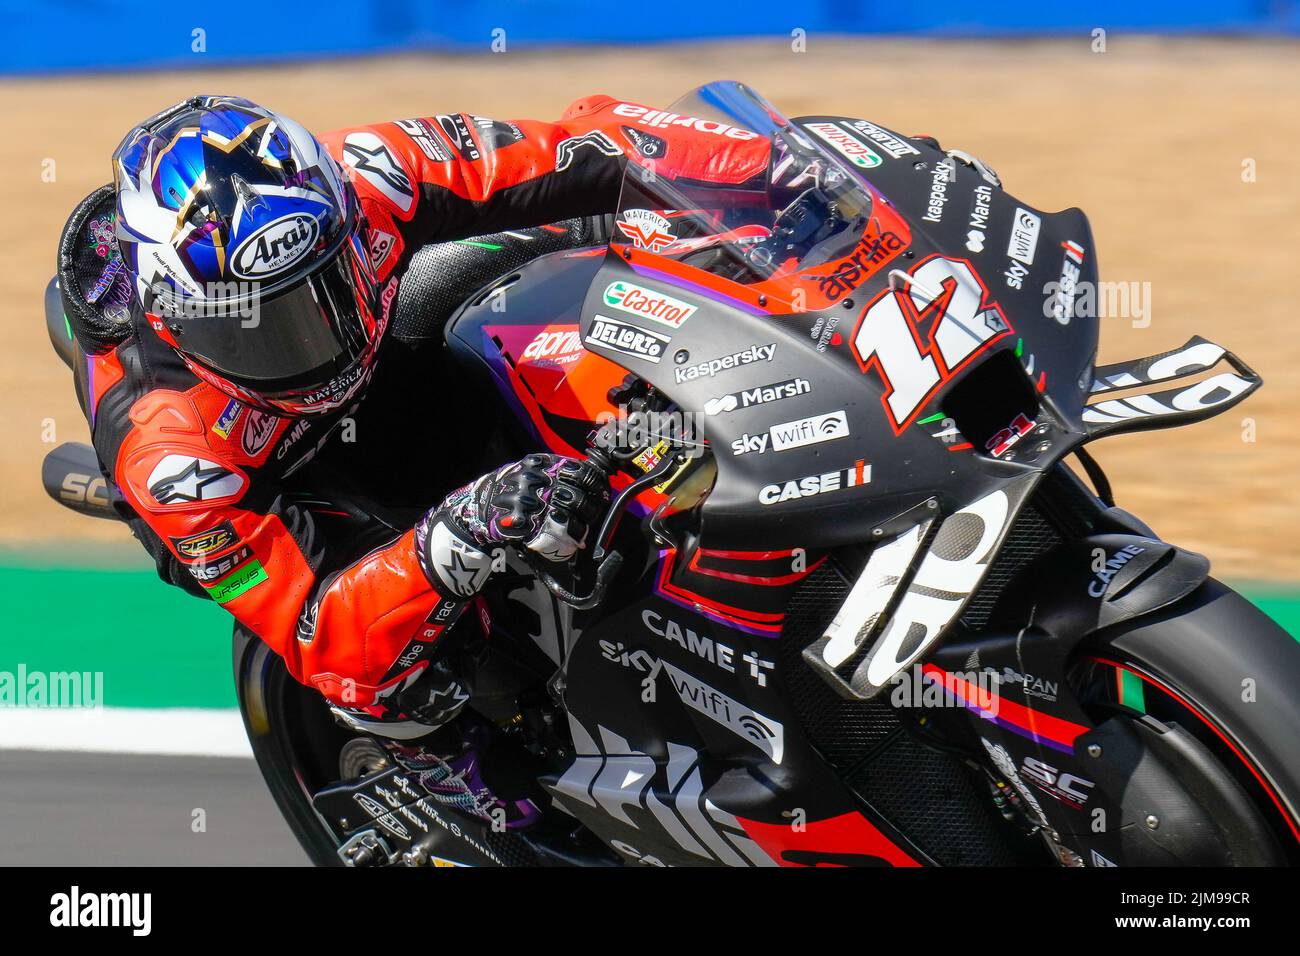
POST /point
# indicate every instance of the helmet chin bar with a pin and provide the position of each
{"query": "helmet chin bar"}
(335, 394)
(330, 397)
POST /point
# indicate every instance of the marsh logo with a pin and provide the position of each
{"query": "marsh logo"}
(130, 910)
(757, 396)
(275, 247)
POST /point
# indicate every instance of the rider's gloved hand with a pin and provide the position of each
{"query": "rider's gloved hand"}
(544, 504)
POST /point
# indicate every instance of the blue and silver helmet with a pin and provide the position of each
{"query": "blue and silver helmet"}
(248, 253)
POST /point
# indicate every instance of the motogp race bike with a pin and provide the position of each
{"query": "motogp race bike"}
(863, 598)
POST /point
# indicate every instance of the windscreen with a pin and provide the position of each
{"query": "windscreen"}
(768, 204)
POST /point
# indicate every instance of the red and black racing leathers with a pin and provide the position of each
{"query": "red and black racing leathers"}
(302, 528)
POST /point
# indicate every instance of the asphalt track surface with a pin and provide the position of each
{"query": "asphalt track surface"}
(78, 809)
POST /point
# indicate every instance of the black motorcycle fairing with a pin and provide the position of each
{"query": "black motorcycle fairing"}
(1095, 582)
(1160, 774)
(1024, 709)
(687, 751)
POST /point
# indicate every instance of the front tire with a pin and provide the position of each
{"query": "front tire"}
(1222, 670)
(294, 740)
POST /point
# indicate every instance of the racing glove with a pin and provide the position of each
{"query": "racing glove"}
(545, 506)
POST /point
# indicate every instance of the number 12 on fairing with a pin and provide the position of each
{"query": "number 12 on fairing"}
(947, 295)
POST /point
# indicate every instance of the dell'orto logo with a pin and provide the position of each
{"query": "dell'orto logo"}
(275, 247)
(628, 339)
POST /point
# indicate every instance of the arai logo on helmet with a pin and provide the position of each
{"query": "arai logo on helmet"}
(275, 247)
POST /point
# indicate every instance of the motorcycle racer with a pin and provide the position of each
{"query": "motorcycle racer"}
(252, 270)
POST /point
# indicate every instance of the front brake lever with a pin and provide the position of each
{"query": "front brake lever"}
(605, 572)
(607, 562)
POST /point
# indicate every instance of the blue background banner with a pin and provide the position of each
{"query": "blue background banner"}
(77, 35)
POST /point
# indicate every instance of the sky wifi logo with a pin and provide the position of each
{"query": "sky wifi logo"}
(795, 434)
(763, 732)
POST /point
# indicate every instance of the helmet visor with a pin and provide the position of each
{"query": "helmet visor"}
(298, 339)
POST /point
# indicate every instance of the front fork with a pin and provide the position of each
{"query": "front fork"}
(1070, 769)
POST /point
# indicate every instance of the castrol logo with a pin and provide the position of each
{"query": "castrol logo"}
(648, 304)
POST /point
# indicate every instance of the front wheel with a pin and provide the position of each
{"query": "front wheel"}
(294, 740)
(1227, 678)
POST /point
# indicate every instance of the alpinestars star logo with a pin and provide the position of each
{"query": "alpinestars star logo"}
(458, 574)
(179, 479)
(367, 154)
(460, 566)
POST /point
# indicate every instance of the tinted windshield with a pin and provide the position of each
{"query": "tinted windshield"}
(776, 207)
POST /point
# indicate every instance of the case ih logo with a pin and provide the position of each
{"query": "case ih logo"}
(275, 247)
(855, 476)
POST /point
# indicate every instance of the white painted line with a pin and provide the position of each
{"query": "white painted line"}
(126, 730)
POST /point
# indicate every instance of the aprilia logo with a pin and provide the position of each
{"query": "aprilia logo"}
(561, 346)
(660, 119)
